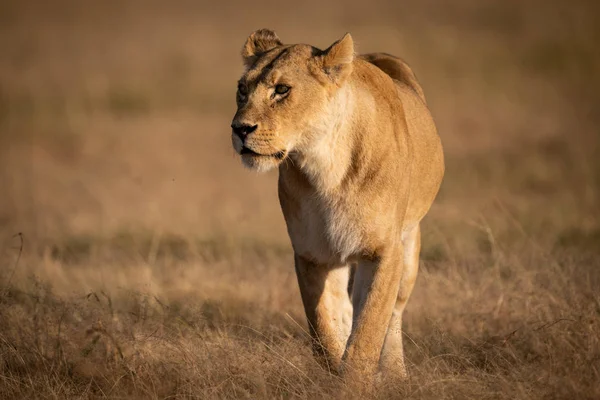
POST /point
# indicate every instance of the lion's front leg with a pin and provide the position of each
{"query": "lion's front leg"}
(373, 297)
(328, 308)
(392, 355)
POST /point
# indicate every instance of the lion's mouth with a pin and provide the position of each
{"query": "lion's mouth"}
(279, 155)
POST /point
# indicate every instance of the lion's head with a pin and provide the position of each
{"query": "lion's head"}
(283, 94)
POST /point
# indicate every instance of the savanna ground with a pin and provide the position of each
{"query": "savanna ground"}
(150, 264)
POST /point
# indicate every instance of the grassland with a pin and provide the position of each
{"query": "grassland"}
(138, 259)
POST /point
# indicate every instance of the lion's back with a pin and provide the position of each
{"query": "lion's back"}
(397, 69)
(427, 167)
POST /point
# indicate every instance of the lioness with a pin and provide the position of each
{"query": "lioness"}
(360, 163)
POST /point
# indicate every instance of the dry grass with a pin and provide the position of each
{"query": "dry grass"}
(154, 266)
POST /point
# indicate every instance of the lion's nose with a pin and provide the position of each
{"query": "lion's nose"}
(243, 130)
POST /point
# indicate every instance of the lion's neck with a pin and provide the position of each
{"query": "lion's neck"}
(328, 157)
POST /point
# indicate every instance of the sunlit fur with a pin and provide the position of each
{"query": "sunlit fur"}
(360, 163)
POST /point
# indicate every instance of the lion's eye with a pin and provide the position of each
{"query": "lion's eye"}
(242, 89)
(282, 89)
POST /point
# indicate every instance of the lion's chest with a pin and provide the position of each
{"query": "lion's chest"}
(326, 233)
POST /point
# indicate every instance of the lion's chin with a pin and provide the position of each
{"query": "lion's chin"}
(261, 163)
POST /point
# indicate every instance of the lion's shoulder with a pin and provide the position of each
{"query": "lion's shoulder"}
(397, 69)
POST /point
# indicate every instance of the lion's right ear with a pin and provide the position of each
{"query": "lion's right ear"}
(257, 44)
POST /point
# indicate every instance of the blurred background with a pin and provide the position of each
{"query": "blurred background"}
(117, 168)
(115, 115)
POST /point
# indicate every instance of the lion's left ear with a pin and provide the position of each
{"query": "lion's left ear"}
(258, 43)
(337, 59)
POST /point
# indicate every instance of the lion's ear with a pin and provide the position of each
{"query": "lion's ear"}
(337, 59)
(258, 43)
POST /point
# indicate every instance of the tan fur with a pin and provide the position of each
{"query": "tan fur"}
(360, 163)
